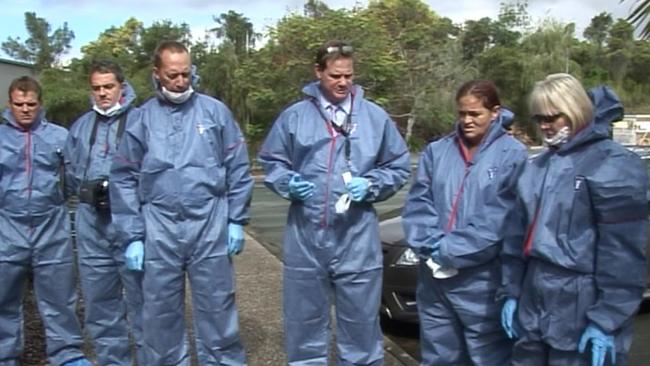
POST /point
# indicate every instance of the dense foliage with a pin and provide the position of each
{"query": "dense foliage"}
(410, 60)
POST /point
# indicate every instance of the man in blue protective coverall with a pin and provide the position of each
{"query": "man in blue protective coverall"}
(109, 289)
(455, 217)
(333, 154)
(180, 191)
(35, 230)
(574, 272)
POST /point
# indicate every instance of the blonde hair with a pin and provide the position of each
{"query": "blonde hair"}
(562, 93)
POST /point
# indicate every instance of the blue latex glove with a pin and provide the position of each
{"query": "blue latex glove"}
(508, 317)
(78, 362)
(300, 189)
(235, 239)
(358, 188)
(601, 343)
(134, 256)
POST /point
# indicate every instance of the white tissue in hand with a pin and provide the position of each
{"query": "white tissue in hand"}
(343, 204)
(440, 272)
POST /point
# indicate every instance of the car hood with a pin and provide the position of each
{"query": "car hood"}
(391, 231)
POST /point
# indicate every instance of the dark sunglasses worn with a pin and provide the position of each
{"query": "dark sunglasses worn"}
(540, 118)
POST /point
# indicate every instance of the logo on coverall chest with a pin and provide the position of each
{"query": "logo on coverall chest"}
(578, 182)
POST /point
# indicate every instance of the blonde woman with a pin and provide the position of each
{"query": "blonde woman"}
(574, 276)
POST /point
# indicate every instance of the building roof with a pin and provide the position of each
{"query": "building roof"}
(17, 63)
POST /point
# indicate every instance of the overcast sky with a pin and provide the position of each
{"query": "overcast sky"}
(88, 18)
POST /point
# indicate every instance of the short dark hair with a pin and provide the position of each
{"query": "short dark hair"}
(107, 67)
(173, 46)
(26, 84)
(484, 90)
(333, 50)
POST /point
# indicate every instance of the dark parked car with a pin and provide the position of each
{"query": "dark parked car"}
(401, 264)
(400, 273)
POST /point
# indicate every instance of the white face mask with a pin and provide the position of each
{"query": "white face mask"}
(559, 138)
(110, 111)
(175, 97)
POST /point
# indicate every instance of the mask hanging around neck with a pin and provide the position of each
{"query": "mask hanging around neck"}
(175, 97)
(108, 112)
(561, 137)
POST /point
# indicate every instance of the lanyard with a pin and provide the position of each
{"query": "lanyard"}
(345, 129)
(93, 136)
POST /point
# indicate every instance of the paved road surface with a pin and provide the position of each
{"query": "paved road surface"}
(269, 216)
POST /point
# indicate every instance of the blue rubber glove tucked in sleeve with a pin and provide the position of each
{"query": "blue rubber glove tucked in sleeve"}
(508, 317)
(358, 188)
(235, 239)
(134, 256)
(601, 343)
(300, 189)
(78, 362)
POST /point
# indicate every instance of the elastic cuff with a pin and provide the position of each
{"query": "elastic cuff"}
(373, 190)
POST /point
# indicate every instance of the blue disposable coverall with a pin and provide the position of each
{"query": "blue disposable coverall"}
(180, 176)
(35, 235)
(579, 255)
(462, 202)
(325, 251)
(110, 290)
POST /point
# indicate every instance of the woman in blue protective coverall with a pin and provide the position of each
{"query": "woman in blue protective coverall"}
(454, 218)
(574, 272)
(109, 289)
(316, 158)
(35, 230)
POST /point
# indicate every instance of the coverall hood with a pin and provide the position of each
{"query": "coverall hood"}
(9, 119)
(607, 109)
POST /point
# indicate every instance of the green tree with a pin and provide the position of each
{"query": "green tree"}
(515, 69)
(639, 17)
(513, 17)
(236, 29)
(598, 29)
(592, 62)
(506, 68)
(276, 73)
(619, 50)
(43, 47)
(163, 30)
(548, 50)
(65, 95)
(219, 66)
(426, 61)
(117, 42)
(315, 9)
(640, 64)
(637, 81)
(476, 37)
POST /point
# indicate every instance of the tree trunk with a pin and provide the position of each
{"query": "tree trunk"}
(410, 122)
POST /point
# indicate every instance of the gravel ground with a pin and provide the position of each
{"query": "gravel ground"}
(34, 341)
(34, 335)
(34, 351)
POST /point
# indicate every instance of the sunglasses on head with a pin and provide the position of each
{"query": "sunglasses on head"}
(344, 50)
(540, 118)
